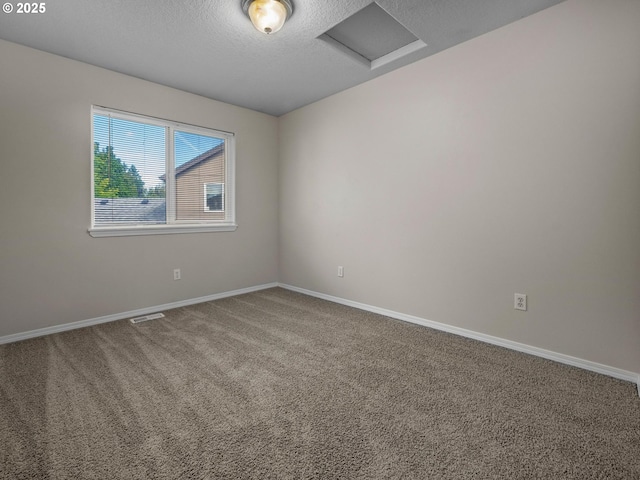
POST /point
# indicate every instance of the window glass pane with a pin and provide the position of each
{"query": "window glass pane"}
(200, 167)
(129, 172)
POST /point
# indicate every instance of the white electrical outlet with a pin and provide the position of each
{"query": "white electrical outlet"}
(176, 274)
(520, 301)
(341, 271)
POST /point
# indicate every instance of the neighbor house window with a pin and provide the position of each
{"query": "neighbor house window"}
(214, 197)
(148, 176)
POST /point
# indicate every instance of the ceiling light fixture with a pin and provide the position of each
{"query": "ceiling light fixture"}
(268, 16)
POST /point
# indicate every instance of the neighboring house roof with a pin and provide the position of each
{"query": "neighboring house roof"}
(130, 210)
(208, 155)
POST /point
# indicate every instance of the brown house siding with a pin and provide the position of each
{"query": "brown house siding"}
(190, 189)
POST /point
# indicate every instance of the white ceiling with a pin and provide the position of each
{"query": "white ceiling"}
(210, 48)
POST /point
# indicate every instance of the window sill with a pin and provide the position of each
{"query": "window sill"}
(159, 230)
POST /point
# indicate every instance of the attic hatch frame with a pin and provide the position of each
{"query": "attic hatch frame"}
(350, 38)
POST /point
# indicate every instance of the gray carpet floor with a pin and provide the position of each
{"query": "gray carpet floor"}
(275, 384)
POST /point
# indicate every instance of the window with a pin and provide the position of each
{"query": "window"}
(214, 197)
(148, 176)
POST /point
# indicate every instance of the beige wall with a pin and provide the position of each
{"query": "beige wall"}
(510, 163)
(51, 271)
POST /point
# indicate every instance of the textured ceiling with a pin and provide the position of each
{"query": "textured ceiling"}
(210, 48)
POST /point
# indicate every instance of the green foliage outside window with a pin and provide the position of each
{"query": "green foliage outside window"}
(114, 179)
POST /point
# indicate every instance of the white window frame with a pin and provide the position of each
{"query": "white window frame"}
(206, 209)
(172, 225)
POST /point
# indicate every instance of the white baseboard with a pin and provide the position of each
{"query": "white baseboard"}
(133, 313)
(520, 347)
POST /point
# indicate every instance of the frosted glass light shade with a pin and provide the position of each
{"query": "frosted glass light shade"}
(268, 16)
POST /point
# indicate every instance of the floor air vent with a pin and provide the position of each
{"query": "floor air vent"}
(144, 318)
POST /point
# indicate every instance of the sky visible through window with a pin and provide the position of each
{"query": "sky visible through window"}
(143, 145)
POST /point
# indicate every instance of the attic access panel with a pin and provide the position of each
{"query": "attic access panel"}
(372, 36)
